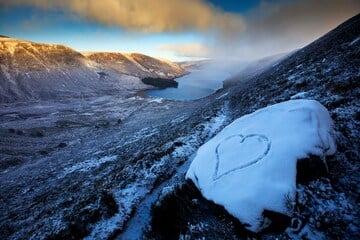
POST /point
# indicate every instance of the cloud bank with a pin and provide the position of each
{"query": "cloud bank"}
(147, 16)
(272, 27)
(187, 50)
(277, 27)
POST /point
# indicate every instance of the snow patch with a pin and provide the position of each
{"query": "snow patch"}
(299, 95)
(156, 100)
(88, 164)
(250, 165)
(223, 95)
(126, 199)
(179, 119)
(355, 41)
(215, 123)
(135, 98)
(291, 77)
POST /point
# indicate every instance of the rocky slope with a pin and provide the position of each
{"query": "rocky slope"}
(254, 68)
(326, 208)
(31, 70)
(136, 64)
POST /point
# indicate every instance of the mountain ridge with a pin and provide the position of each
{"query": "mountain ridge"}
(31, 71)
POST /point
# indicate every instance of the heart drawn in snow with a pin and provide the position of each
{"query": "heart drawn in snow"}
(237, 152)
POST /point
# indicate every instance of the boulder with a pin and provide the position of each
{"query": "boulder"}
(250, 167)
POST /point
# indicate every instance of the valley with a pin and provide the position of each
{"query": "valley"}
(85, 156)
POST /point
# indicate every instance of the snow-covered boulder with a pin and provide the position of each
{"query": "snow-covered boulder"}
(250, 166)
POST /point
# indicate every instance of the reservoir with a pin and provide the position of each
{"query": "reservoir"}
(197, 84)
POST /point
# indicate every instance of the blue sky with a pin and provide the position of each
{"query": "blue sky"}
(236, 6)
(175, 29)
(83, 35)
(58, 26)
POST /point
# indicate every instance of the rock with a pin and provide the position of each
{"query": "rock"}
(102, 124)
(183, 213)
(250, 166)
(20, 132)
(160, 82)
(10, 162)
(169, 215)
(310, 168)
(108, 206)
(62, 145)
(43, 152)
(38, 133)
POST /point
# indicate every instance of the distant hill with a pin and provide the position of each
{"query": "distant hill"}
(30, 70)
(136, 64)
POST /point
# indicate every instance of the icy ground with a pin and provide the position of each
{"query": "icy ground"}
(82, 167)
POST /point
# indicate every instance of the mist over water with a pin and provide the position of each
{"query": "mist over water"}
(197, 84)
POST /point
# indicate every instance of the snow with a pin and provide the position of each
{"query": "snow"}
(87, 165)
(178, 160)
(156, 100)
(215, 123)
(355, 41)
(126, 198)
(250, 165)
(299, 95)
(291, 77)
(179, 119)
(129, 57)
(222, 96)
(11, 47)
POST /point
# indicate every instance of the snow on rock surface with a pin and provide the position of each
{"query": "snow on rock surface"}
(250, 165)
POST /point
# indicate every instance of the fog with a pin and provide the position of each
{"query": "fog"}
(274, 28)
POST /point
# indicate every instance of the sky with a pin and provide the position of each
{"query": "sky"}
(177, 30)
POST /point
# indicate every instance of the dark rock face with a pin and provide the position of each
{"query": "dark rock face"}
(310, 168)
(160, 82)
(180, 212)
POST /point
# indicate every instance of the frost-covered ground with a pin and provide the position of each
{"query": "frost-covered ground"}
(82, 167)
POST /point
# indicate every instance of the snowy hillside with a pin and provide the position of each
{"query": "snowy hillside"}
(32, 71)
(136, 64)
(326, 201)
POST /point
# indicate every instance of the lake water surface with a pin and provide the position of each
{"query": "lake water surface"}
(197, 84)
